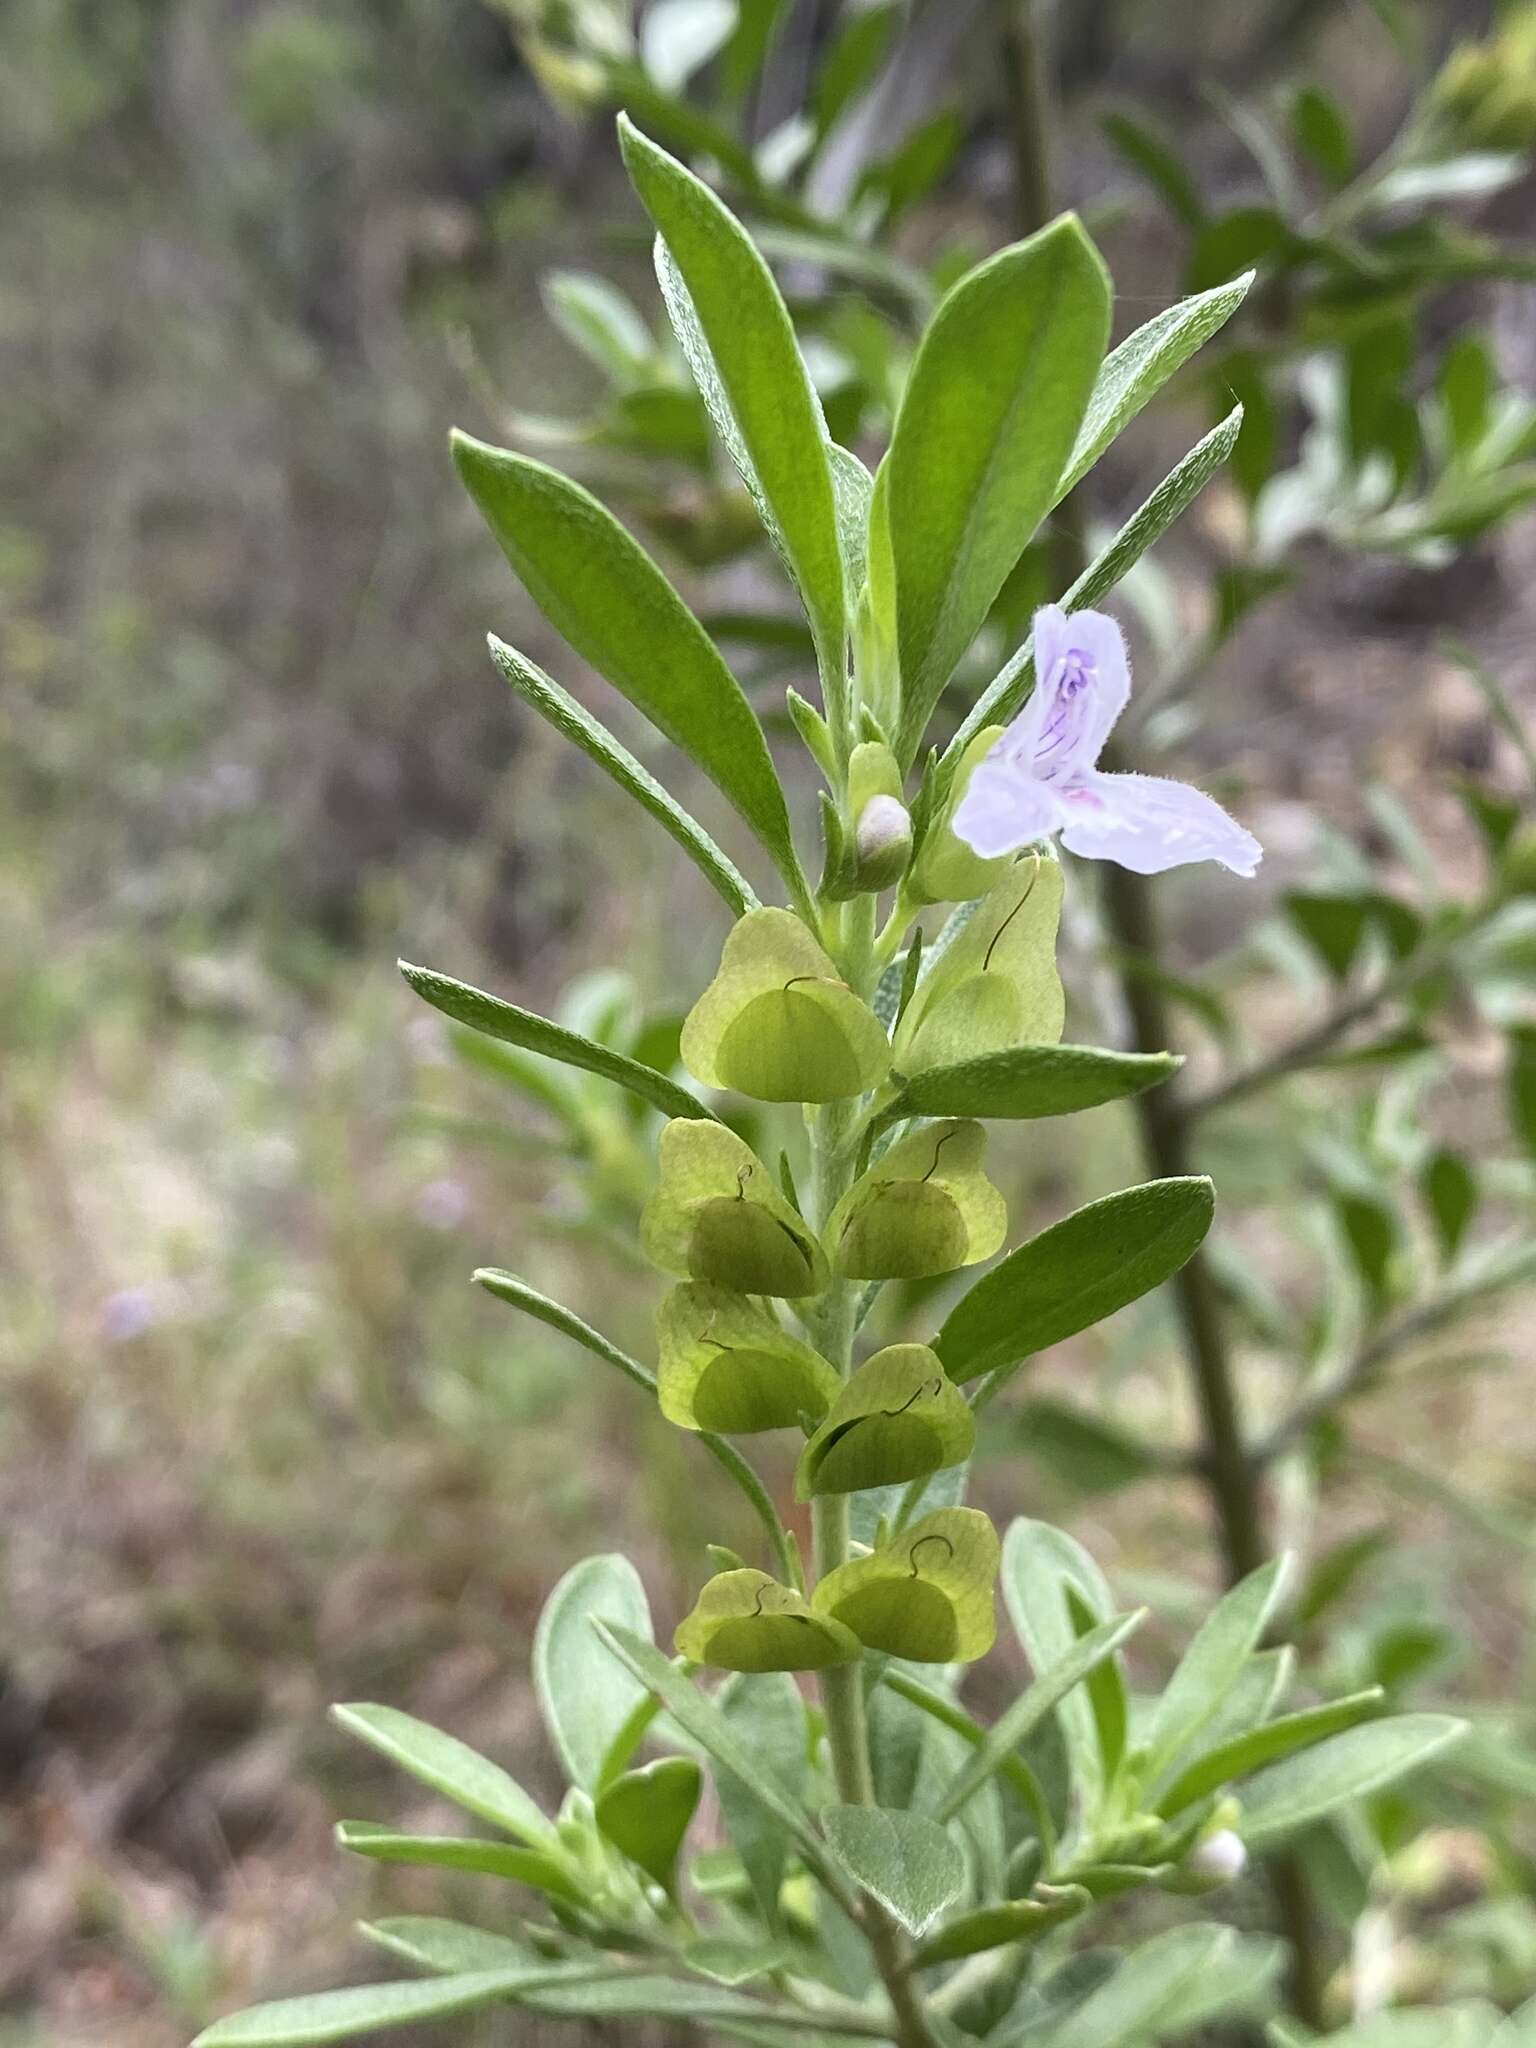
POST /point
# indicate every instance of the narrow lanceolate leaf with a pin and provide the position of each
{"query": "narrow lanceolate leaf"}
(448, 1947)
(546, 1873)
(578, 725)
(987, 422)
(584, 1696)
(1030, 1709)
(1229, 1761)
(507, 1287)
(473, 1006)
(1001, 699)
(736, 334)
(1002, 1926)
(450, 1767)
(1074, 1274)
(699, 1717)
(904, 1860)
(599, 588)
(1032, 1081)
(1304, 1787)
(1048, 1581)
(1155, 1980)
(344, 2015)
(1210, 1666)
(1134, 372)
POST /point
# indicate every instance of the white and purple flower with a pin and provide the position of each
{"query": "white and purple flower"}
(1043, 776)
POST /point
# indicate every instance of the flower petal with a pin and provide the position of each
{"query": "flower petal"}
(1082, 679)
(1005, 807)
(1150, 824)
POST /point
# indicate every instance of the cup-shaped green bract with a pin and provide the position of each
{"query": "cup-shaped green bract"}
(946, 870)
(747, 1621)
(716, 1215)
(927, 1594)
(898, 1417)
(727, 1364)
(925, 1208)
(996, 985)
(778, 1023)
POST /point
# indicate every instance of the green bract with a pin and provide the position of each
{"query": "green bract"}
(925, 1208)
(716, 1215)
(995, 985)
(727, 1364)
(747, 1621)
(926, 1595)
(898, 1417)
(778, 1022)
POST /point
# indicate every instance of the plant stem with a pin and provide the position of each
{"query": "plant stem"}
(1131, 917)
(834, 1156)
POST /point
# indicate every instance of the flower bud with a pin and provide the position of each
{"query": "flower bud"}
(899, 1416)
(996, 986)
(727, 1364)
(882, 843)
(747, 1621)
(926, 1207)
(1219, 1860)
(778, 1023)
(716, 1215)
(926, 1595)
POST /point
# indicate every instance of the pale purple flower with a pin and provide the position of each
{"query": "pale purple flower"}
(1043, 776)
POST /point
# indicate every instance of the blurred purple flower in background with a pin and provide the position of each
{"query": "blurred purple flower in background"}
(1043, 775)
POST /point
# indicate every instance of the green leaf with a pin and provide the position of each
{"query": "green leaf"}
(1135, 371)
(1084, 1452)
(544, 1872)
(1042, 1569)
(1002, 1926)
(736, 334)
(1450, 1188)
(1074, 1274)
(1129, 2007)
(647, 1813)
(1322, 131)
(1346, 1767)
(1229, 1761)
(1520, 1085)
(1032, 1081)
(766, 1715)
(450, 1767)
(1334, 926)
(448, 1947)
(904, 1860)
(987, 421)
(896, 1418)
(1027, 1712)
(1210, 1667)
(578, 725)
(509, 1288)
(339, 2015)
(1158, 162)
(595, 317)
(1004, 696)
(602, 592)
(584, 1698)
(498, 1019)
(697, 1715)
